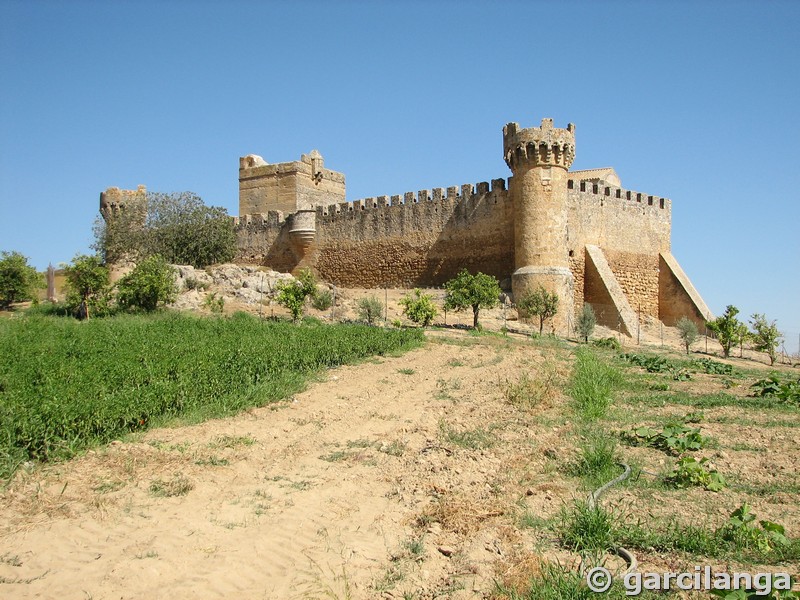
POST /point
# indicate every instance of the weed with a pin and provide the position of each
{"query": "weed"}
(394, 449)
(212, 461)
(586, 528)
(406, 371)
(335, 456)
(177, 486)
(232, 441)
(597, 463)
(692, 472)
(360, 443)
(471, 439)
(592, 384)
(454, 362)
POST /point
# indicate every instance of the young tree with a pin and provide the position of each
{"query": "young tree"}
(539, 303)
(149, 285)
(18, 280)
(726, 327)
(419, 307)
(87, 285)
(765, 336)
(292, 295)
(687, 330)
(178, 226)
(586, 322)
(471, 291)
(370, 309)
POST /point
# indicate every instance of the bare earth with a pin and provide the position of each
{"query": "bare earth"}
(401, 475)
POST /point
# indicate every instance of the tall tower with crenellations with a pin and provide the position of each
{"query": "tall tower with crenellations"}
(539, 158)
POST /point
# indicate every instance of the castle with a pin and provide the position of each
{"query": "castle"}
(577, 233)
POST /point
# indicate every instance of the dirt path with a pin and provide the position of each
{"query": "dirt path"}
(286, 501)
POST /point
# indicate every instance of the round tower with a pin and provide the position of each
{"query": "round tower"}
(539, 158)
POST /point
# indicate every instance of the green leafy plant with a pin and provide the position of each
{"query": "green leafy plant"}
(18, 280)
(610, 342)
(178, 226)
(370, 309)
(692, 472)
(674, 438)
(687, 330)
(713, 367)
(88, 286)
(471, 291)
(214, 302)
(727, 327)
(773, 386)
(321, 299)
(419, 307)
(742, 531)
(149, 285)
(586, 322)
(292, 295)
(539, 303)
(765, 336)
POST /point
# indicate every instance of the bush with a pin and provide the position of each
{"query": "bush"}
(177, 226)
(292, 295)
(539, 303)
(728, 328)
(321, 299)
(214, 303)
(471, 291)
(88, 287)
(586, 322)
(149, 285)
(18, 280)
(765, 336)
(687, 330)
(370, 309)
(419, 307)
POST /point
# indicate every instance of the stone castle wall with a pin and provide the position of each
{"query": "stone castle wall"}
(424, 238)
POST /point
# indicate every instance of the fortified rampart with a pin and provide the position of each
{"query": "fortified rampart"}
(577, 233)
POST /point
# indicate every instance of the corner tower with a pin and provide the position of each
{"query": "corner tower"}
(539, 158)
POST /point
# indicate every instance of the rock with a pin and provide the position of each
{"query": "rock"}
(446, 551)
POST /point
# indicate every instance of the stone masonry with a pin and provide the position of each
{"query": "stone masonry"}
(578, 233)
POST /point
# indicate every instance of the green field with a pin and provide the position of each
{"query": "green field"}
(66, 385)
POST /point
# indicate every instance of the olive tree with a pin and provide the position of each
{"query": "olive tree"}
(539, 303)
(687, 330)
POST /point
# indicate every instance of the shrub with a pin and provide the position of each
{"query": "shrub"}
(149, 285)
(370, 309)
(178, 226)
(586, 322)
(292, 295)
(687, 330)
(765, 335)
(215, 303)
(321, 299)
(728, 329)
(18, 280)
(609, 342)
(88, 287)
(539, 303)
(419, 307)
(471, 291)
(692, 472)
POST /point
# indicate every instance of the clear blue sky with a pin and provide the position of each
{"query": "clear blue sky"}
(696, 101)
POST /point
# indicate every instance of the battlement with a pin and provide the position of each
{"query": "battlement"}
(115, 201)
(539, 146)
(610, 191)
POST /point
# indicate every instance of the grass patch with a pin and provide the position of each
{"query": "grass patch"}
(597, 463)
(592, 384)
(177, 486)
(471, 439)
(67, 385)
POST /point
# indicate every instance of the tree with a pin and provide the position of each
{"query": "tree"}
(292, 295)
(471, 291)
(87, 285)
(149, 285)
(419, 307)
(687, 330)
(178, 226)
(370, 309)
(18, 280)
(586, 322)
(766, 336)
(726, 327)
(539, 303)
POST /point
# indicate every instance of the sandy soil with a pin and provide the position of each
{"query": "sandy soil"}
(402, 475)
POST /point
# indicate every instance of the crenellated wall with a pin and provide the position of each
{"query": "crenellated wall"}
(424, 238)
